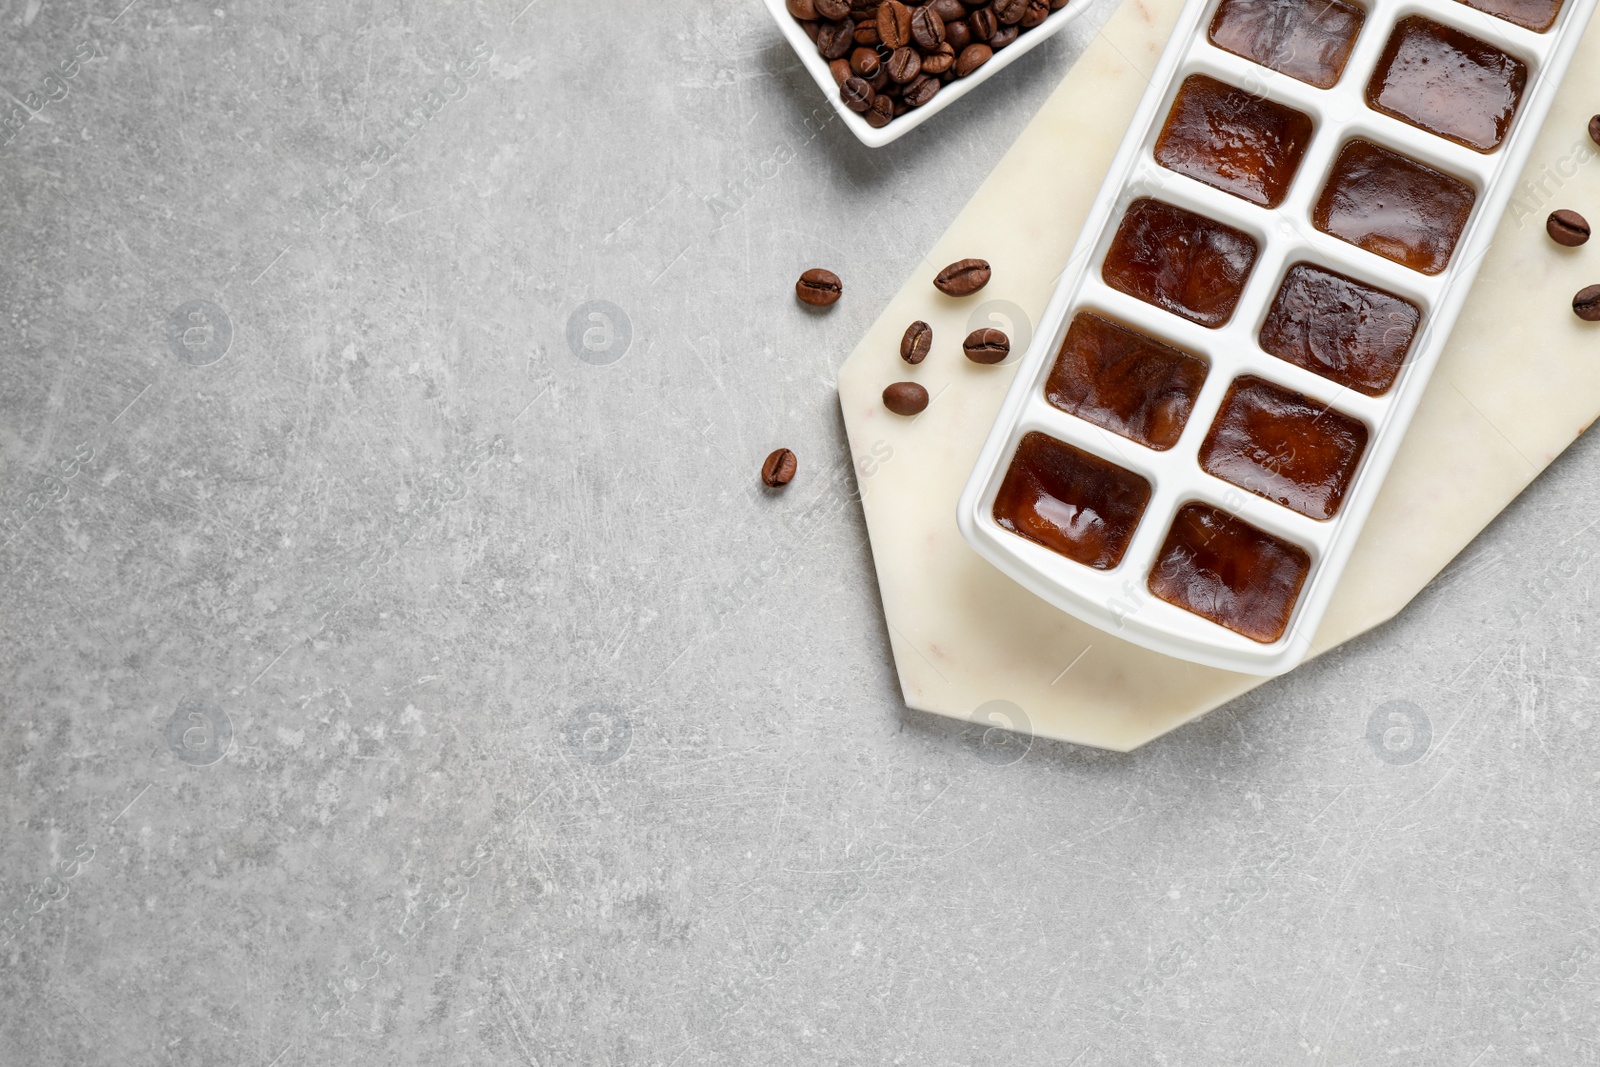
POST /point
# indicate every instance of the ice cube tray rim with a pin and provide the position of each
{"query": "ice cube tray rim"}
(1112, 599)
(878, 137)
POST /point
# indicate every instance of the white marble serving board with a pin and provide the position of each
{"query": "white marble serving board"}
(1519, 381)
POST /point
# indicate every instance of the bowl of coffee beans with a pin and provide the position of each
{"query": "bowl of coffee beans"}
(888, 65)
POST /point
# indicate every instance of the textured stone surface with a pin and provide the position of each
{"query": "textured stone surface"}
(395, 686)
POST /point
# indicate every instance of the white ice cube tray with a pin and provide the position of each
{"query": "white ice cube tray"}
(1118, 600)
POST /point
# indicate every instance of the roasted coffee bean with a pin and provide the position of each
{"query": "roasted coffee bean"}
(894, 24)
(919, 92)
(927, 29)
(840, 70)
(1567, 228)
(819, 287)
(882, 111)
(857, 95)
(778, 470)
(905, 65)
(916, 343)
(867, 34)
(1587, 303)
(1002, 37)
(880, 81)
(949, 9)
(810, 26)
(939, 61)
(802, 9)
(1009, 12)
(963, 277)
(957, 34)
(990, 346)
(983, 22)
(971, 58)
(835, 39)
(905, 398)
(1038, 11)
(832, 9)
(865, 62)
(1594, 129)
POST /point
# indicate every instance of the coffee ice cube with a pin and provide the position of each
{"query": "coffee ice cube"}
(1394, 206)
(1239, 142)
(1308, 40)
(1124, 382)
(1347, 332)
(1070, 502)
(1284, 446)
(1535, 15)
(1180, 261)
(1447, 82)
(1226, 570)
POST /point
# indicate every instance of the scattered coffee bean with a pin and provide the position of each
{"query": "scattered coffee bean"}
(778, 470)
(905, 50)
(990, 346)
(1587, 303)
(963, 277)
(916, 343)
(1594, 129)
(819, 287)
(857, 94)
(905, 398)
(1567, 228)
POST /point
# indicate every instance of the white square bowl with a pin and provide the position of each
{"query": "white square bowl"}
(806, 49)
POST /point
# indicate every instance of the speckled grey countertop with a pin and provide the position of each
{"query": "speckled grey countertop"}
(404, 666)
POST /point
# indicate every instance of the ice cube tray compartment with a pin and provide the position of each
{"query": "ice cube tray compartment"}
(1121, 598)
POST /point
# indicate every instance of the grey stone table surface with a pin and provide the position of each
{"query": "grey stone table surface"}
(403, 664)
